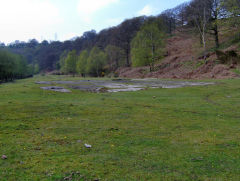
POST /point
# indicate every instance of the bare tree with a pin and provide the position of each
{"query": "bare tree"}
(180, 14)
(169, 17)
(200, 14)
(217, 12)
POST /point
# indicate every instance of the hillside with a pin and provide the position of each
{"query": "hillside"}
(184, 59)
(198, 40)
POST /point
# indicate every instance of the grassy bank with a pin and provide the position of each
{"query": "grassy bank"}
(180, 134)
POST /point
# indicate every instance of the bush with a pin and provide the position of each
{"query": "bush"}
(228, 57)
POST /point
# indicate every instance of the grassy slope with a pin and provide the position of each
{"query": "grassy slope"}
(182, 134)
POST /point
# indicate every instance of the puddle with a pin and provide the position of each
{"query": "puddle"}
(118, 85)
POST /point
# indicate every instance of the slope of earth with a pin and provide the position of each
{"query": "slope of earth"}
(183, 60)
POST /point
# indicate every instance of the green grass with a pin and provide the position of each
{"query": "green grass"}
(237, 71)
(192, 65)
(183, 134)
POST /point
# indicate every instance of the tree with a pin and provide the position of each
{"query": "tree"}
(233, 9)
(169, 18)
(115, 56)
(32, 43)
(96, 62)
(181, 15)
(206, 15)
(216, 14)
(82, 63)
(63, 57)
(147, 46)
(200, 13)
(89, 38)
(13, 66)
(70, 62)
(2, 44)
(126, 31)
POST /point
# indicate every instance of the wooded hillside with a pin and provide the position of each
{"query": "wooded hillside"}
(140, 41)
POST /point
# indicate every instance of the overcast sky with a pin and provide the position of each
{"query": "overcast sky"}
(44, 19)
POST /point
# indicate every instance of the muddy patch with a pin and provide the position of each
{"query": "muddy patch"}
(44, 82)
(56, 89)
(89, 88)
(118, 85)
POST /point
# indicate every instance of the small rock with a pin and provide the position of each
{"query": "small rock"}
(88, 146)
(197, 159)
(67, 178)
(37, 148)
(113, 129)
(4, 157)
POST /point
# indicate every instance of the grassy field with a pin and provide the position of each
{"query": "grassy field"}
(180, 134)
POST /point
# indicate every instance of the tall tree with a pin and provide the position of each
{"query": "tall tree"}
(169, 18)
(181, 15)
(233, 9)
(200, 13)
(63, 57)
(148, 46)
(13, 66)
(216, 14)
(126, 31)
(115, 57)
(82, 63)
(96, 62)
(70, 62)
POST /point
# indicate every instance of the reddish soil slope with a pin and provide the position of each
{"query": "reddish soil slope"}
(181, 62)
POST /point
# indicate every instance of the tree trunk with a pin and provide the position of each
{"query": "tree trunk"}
(215, 29)
(127, 54)
(201, 40)
(204, 46)
(117, 64)
(152, 64)
(170, 26)
(153, 51)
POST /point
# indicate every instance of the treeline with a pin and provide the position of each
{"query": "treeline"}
(13, 66)
(145, 49)
(206, 16)
(47, 54)
(135, 42)
(87, 63)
